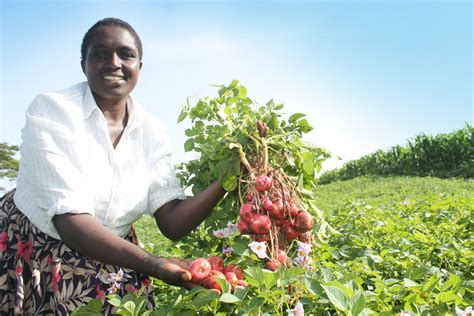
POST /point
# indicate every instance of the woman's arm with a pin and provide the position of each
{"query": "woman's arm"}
(178, 217)
(88, 236)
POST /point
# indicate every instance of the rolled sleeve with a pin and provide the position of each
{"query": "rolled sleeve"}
(51, 172)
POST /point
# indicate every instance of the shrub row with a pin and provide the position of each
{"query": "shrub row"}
(444, 156)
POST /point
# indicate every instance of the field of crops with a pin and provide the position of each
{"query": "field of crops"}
(404, 246)
(365, 246)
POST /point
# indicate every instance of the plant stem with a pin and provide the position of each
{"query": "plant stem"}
(244, 160)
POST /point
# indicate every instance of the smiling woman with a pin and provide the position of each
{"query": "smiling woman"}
(92, 162)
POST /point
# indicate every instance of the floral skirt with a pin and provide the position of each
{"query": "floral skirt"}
(41, 275)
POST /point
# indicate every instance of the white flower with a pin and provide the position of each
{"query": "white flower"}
(227, 231)
(260, 249)
(303, 249)
(297, 311)
(221, 233)
(467, 312)
(116, 277)
(232, 228)
(305, 262)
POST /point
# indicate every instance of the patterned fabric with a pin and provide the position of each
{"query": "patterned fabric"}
(40, 275)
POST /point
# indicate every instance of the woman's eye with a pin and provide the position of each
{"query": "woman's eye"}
(127, 54)
(100, 53)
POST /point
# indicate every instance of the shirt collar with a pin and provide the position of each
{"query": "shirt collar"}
(89, 106)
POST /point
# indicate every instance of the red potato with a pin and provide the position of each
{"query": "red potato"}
(282, 256)
(272, 265)
(199, 269)
(231, 277)
(260, 224)
(278, 210)
(211, 283)
(243, 227)
(242, 283)
(303, 222)
(267, 204)
(263, 183)
(290, 232)
(216, 263)
(246, 212)
(234, 268)
(278, 221)
(294, 210)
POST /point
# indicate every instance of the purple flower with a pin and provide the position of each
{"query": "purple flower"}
(226, 251)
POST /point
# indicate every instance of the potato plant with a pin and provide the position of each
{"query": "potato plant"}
(262, 161)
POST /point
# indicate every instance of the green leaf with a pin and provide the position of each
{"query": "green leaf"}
(337, 297)
(308, 163)
(431, 284)
(204, 297)
(182, 115)
(270, 278)
(225, 286)
(409, 283)
(327, 275)
(234, 83)
(255, 302)
(141, 303)
(357, 303)
(240, 246)
(229, 182)
(189, 145)
(229, 298)
(191, 132)
(293, 118)
(452, 281)
(129, 306)
(273, 122)
(254, 273)
(115, 300)
(446, 297)
(95, 305)
(241, 292)
(304, 126)
(314, 287)
(293, 272)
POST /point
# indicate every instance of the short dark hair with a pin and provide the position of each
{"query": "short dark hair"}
(110, 21)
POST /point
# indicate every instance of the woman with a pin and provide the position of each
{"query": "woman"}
(92, 162)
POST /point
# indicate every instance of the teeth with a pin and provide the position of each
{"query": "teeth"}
(113, 78)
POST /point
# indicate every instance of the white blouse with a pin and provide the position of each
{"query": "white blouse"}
(68, 163)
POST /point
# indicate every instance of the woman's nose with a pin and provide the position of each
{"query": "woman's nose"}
(113, 61)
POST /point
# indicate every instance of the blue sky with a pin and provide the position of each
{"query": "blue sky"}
(368, 74)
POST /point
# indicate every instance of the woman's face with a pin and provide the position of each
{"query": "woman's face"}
(111, 64)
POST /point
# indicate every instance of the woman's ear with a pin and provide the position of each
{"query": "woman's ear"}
(141, 64)
(83, 66)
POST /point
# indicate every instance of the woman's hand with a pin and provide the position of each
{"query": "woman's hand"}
(175, 272)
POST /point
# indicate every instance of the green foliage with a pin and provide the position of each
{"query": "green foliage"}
(405, 245)
(443, 155)
(8, 164)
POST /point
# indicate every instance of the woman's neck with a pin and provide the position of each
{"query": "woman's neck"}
(115, 111)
